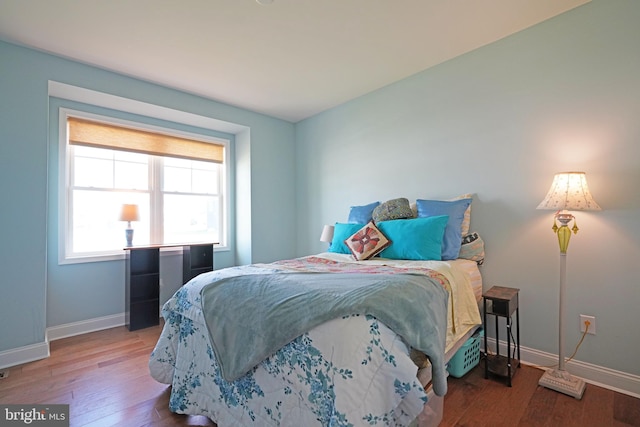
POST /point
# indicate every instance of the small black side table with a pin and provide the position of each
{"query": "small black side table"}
(504, 302)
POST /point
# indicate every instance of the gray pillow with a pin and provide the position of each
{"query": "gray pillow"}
(393, 209)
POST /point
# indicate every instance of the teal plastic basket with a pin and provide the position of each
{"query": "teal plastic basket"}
(467, 357)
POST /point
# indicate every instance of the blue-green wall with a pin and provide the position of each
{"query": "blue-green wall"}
(499, 122)
(36, 291)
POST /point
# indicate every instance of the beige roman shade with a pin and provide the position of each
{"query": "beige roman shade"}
(103, 135)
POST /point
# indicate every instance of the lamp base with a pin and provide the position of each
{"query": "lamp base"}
(129, 236)
(563, 382)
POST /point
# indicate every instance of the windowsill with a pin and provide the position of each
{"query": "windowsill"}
(121, 255)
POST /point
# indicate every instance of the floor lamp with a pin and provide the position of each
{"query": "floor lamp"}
(568, 191)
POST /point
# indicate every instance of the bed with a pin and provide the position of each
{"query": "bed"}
(356, 336)
(352, 370)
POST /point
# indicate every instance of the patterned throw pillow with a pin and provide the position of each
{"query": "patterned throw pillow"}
(367, 242)
(472, 248)
(393, 209)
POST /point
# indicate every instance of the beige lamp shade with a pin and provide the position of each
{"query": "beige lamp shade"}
(569, 191)
(129, 213)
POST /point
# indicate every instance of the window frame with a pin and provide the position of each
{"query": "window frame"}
(65, 253)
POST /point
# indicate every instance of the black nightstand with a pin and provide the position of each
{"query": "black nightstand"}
(504, 302)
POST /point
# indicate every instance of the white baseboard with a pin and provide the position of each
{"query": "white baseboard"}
(611, 379)
(30, 353)
(20, 355)
(85, 326)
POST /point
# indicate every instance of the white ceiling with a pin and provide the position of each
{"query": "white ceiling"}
(290, 59)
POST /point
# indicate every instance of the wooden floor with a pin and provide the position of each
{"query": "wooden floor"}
(475, 401)
(104, 378)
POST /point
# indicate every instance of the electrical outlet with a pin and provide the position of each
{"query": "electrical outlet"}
(592, 324)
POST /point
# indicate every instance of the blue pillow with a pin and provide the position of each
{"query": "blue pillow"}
(415, 239)
(453, 232)
(342, 232)
(361, 214)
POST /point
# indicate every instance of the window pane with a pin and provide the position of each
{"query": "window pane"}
(205, 182)
(91, 172)
(207, 166)
(189, 218)
(180, 163)
(189, 176)
(100, 153)
(96, 225)
(131, 157)
(132, 176)
(177, 179)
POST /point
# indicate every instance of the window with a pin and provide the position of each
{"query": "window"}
(178, 181)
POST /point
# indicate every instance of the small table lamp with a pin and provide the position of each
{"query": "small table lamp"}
(327, 234)
(129, 213)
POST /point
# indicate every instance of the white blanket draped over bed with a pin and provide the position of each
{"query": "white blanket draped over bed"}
(349, 371)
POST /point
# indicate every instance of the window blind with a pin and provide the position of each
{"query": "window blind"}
(104, 135)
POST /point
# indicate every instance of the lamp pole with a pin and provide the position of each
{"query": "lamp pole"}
(560, 379)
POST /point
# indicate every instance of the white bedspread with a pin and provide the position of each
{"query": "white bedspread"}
(349, 371)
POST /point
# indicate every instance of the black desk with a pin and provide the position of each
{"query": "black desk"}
(142, 278)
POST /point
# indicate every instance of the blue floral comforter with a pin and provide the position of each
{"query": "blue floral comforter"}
(352, 371)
